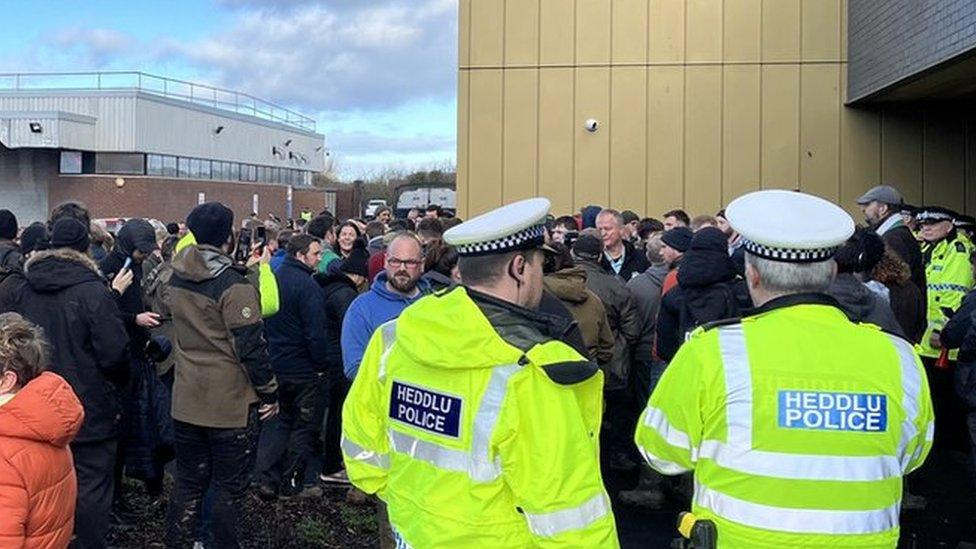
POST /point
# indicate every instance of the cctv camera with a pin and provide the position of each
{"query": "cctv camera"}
(591, 125)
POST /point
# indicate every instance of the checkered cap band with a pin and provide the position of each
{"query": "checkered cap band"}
(789, 255)
(522, 240)
(933, 216)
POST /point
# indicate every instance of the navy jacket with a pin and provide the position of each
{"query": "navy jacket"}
(296, 335)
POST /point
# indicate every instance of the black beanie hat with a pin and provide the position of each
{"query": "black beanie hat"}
(357, 262)
(588, 246)
(8, 225)
(70, 233)
(211, 223)
(34, 238)
(862, 251)
(709, 239)
(678, 238)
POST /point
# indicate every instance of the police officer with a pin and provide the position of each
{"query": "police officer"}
(798, 424)
(948, 273)
(470, 419)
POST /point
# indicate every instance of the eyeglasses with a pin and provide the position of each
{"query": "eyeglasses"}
(397, 262)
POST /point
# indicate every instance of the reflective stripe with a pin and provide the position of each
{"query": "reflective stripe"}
(655, 419)
(947, 288)
(363, 455)
(477, 462)
(800, 521)
(388, 333)
(911, 382)
(801, 466)
(738, 386)
(663, 466)
(552, 524)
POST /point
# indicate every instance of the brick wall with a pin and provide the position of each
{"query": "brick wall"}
(890, 40)
(172, 199)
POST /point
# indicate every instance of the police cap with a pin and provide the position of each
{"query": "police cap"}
(517, 226)
(789, 226)
(934, 214)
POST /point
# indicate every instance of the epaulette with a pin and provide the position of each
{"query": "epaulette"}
(571, 373)
(718, 324)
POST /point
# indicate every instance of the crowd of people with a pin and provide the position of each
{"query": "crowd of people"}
(222, 353)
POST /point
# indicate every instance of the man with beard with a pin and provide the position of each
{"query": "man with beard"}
(397, 287)
(882, 207)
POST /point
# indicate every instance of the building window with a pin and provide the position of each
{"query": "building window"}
(183, 167)
(70, 162)
(169, 166)
(120, 163)
(154, 164)
(233, 172)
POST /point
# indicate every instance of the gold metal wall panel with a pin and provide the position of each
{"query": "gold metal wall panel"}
(820, 31)
(592, 32)
(628, 137)
(901, 152)
(742, 30)
(781, 30)
(740, 131)
(629, 34)
(521, 32)
(665, 140)
(592, 149)
(780, 126)
(666, 31)
(485, 141)
(557, 133)
(557, 32)
(521, 134)
(487, 33)
(703, 31)
(703, 139)
(820, 130)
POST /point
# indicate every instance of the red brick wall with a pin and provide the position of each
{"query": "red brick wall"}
(172, 199)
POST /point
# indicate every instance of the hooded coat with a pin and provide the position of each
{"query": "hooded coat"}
(64, 293)
(339, 291)
(569, 285)
(709, 289)
(863, 305)
(136, 234)
(11, 266)
(38, 487)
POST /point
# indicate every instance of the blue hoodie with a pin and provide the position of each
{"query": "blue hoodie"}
(277, 259)
(367, 313)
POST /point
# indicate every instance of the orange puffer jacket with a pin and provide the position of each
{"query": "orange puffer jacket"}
(37, 477)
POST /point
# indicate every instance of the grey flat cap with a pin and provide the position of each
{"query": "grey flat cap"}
(886, 194)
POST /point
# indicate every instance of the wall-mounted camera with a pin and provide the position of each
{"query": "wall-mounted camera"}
(591, 125)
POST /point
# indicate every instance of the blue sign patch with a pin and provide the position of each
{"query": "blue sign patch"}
(863, 412)
(425, 409)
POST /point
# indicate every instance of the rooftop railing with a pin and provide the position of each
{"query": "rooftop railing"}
(202, 94)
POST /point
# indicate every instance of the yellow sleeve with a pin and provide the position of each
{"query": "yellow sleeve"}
(365, 446)
(670, 428)
(550, 460)
(268, 288)
(919, 446)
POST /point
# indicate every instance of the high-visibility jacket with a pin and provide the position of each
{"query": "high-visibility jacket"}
(948, 278)
(798, 424)
(472, 441)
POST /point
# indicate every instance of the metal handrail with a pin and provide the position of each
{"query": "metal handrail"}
(193, 92)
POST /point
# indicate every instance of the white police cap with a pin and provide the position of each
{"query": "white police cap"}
(517, 226)
(789, 226)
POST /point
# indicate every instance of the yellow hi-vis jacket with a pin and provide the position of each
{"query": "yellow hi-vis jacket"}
(798, 424)
(472, 442)
(948, 278)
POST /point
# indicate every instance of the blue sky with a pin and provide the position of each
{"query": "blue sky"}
(378, 75)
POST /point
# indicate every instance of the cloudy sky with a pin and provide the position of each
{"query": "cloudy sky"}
(378, 75)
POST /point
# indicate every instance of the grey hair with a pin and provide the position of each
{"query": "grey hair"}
(653, 247)
(779, 277)
(616, 215)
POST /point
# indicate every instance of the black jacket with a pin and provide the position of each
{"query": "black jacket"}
(901, 240)
(135, 234)
(635, 263)
(296, 334)
(959, 332)
(708, 289)
(863, 305)
(339, 292)
(64, 293)
(11, 267)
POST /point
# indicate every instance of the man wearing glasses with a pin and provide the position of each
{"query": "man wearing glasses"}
(394, 289)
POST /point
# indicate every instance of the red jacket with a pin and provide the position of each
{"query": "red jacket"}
(37, 477)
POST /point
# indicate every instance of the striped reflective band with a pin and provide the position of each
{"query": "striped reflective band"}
(661, 465)
(947, 288)
(655, 419)
(388, 333)
(552, 524)
(360, 454)
(801, 466)
(911, 381)
(738, 386)
(476, 462)
(801, 521)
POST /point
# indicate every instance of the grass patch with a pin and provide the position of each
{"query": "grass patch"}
(359, 519)
(314, 532)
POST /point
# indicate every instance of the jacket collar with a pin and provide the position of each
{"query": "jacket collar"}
(295, 263)
(892, 221)
(516, 324)
(792, 300)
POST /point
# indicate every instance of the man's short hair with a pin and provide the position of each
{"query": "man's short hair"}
(430, 226)
(647, 226)
(374, 229)
(703, 221)
(398, 225)
(300, 244)
(71, 209)
(567, 222)
(611, 212)
(486, 270)
(320, 225)
(653, 247)
(434, 208)
(450, 222)
(678, 214)
(284, 237)
(780, 277)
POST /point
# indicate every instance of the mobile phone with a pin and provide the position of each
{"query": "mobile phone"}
(261, 234)
(127, 264)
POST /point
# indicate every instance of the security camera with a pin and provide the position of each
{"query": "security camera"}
(591, 125)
